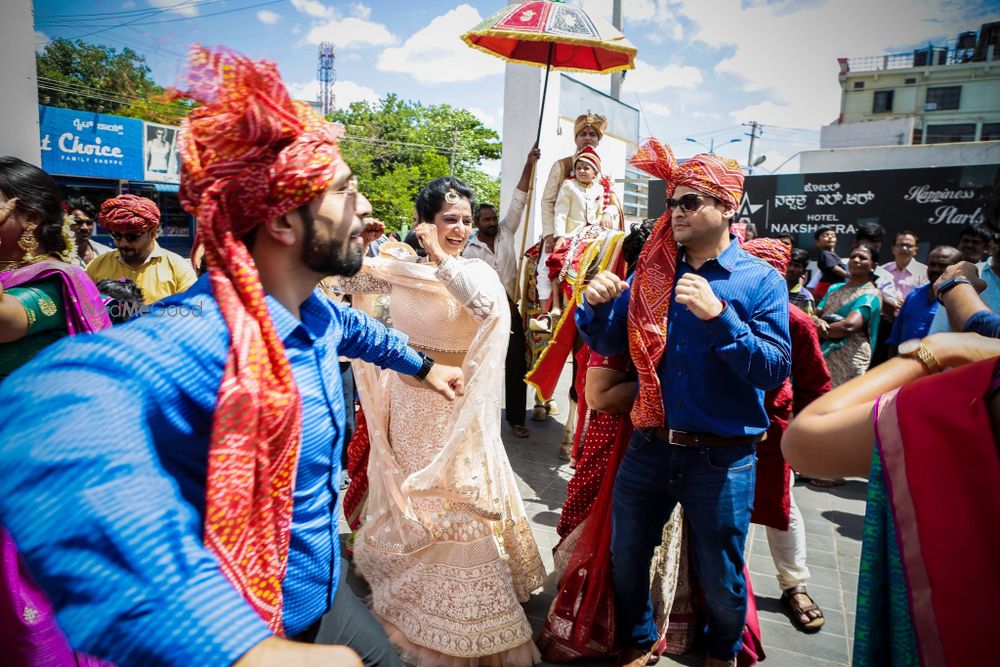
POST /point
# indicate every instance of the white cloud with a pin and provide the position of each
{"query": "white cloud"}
(345, 92)
(182, 7)
(41, 41)
(268, 17)
(348, 92)
(487, 119)
(656, 109)
(313, 8)
(128, 4)
(783, 115)
(361, 10)
(349, 32)
(435, 54)
(296, 29)
(790, 50)
(646, 78)
(633, 11)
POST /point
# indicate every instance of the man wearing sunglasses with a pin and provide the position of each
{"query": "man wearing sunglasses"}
(134, 223)
(706, 326)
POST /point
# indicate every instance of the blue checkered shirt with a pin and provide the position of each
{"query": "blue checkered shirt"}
(103, 443)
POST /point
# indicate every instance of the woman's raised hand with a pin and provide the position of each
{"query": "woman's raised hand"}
(427, 236)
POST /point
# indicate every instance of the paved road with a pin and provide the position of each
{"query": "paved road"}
(833, 519)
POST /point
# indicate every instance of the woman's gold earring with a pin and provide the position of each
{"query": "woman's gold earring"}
(28, 242)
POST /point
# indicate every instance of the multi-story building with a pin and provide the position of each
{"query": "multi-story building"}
(933, 95)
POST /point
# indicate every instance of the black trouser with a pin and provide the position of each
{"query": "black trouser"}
(350, 623)
(517, 367)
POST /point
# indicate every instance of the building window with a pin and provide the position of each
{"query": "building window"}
(947, 134)
(883, 101)
(858, 85)
(991, 132)
(943, 99)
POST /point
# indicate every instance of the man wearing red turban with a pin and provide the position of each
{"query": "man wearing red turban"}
(134, 223)
(185, 509)
(774, 504)
(706, 325)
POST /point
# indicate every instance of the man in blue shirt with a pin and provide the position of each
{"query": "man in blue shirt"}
(727, 342)
(122, 451)
(917, 313)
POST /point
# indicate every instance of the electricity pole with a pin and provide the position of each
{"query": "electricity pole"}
(617, 77)
(754, 126)
(454, 149)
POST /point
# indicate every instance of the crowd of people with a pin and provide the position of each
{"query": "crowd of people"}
(181, 438)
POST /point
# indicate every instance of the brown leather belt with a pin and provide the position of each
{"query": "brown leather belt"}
(688, 439)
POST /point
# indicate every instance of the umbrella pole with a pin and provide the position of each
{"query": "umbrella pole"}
(545, 90)
(529, 209)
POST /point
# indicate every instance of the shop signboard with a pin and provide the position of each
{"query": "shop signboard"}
(89, 144)
(932, 202)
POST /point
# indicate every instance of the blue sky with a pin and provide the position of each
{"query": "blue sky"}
(705, 66)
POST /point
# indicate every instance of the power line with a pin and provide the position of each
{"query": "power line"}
(137, 21)
(81, 90)
(132, 12)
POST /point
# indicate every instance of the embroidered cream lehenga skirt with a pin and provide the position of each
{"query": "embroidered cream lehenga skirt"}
(456, 602)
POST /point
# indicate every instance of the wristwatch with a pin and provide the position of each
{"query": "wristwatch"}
(425, 367)
(950, 283)
(915, 349)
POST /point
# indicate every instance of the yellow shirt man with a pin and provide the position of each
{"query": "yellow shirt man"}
(162, 274)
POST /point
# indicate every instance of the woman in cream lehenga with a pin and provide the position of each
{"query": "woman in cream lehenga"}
(444, 543)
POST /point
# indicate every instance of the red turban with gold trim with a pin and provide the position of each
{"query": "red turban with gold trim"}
(249, 154)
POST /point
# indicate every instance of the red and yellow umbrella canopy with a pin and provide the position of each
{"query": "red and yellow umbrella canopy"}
(561, 36)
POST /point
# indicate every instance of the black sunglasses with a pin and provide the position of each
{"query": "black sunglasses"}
(131, 237)
(689, 202)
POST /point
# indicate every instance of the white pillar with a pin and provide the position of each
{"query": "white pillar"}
(522, 96)
(19, 129)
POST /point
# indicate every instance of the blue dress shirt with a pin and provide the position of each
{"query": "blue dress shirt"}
(915, 317)
(713, 373)
(104, 444)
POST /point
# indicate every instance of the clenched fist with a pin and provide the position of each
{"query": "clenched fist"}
(604, 288)
(373, 230)
(694, 292)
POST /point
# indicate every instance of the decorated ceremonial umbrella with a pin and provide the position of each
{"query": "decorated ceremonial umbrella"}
(554, 36)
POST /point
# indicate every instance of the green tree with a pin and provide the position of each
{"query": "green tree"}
(395, 147)
(89, 77)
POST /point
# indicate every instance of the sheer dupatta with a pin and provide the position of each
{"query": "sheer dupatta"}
(471, 471)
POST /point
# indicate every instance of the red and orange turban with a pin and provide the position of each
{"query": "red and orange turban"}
(653, 282)
(129, 213)
(249, 154)
(772, 251)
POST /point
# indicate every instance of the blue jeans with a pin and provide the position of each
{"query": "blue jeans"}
(715, 487)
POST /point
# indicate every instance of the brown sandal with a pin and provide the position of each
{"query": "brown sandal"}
(519, 431)
(797, 612)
